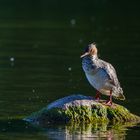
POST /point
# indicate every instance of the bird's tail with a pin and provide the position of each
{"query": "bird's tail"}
(118, 93)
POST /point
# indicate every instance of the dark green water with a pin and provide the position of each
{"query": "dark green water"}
(40, 47)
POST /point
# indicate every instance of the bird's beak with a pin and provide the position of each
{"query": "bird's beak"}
(85, 54)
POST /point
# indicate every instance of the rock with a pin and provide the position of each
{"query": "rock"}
(79, 108)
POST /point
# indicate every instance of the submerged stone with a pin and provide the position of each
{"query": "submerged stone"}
(79, 109)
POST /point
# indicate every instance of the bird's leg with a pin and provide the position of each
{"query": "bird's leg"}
(97, 96)
(109, 102)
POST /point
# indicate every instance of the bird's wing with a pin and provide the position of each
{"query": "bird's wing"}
(110, 71)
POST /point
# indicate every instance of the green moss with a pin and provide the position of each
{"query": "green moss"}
(120, 114)
(97, 113)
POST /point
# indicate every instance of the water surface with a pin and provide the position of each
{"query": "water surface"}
(40, 48)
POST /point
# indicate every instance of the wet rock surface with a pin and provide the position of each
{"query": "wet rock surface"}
(80, 108)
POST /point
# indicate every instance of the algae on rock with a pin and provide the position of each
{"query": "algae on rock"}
(79, 108)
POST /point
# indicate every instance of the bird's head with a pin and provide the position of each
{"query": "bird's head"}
(91, 50)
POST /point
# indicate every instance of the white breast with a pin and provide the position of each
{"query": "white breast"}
(98, 80)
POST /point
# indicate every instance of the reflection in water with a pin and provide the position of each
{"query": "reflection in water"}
(24, 130)
(88, 131)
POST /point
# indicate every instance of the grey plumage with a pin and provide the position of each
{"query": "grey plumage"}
(102, 76)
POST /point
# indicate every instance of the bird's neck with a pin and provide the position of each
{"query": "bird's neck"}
(94, 57)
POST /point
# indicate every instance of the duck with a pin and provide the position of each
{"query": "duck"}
(101, 75)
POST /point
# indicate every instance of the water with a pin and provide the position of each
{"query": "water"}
(40, 48)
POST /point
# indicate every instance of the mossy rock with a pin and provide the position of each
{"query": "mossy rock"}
(79, 108)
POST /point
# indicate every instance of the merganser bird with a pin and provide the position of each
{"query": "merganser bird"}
(101, 75)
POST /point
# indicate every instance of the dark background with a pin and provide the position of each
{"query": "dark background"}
(46, 38)
(40, 46)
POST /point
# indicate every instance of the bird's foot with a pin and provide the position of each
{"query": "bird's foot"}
(108, 103)
(97, 96)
